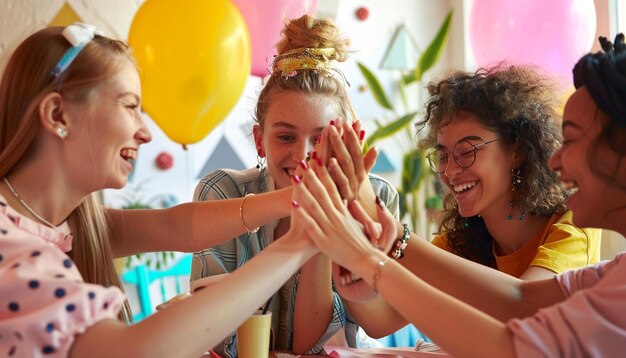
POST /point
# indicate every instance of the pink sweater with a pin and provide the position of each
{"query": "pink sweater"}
(591, 322)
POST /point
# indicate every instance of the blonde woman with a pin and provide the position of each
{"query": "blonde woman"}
(71, 123)
(303, 95)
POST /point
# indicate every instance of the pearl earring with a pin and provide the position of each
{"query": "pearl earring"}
(61, 132)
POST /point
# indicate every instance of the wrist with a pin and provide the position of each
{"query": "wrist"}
(397, 251)
(366, 197)
(249, 229)
(285, 197)
(299, 245)
(368, 264)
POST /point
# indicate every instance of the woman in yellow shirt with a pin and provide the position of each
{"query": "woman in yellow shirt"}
(559, 247)
(492, 133)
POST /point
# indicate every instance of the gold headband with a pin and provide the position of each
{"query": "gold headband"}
(287, 64)
(313, 59)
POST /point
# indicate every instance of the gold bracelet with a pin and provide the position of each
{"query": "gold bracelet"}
(379, 268)
(241, 215)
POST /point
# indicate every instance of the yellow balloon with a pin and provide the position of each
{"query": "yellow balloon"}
(195, 59)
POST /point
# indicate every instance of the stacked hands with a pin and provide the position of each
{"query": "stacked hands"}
(334, 205)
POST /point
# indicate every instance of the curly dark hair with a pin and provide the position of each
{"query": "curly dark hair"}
(604, 75)
(519, 105)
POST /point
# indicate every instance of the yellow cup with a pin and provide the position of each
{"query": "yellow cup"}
(253, 336)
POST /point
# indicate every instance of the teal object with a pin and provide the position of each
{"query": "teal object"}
(383, 164)
(404, 337)
(402, 53)
(142, 277)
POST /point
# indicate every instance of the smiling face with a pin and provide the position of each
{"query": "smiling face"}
(292, 124)
(105, 131)
(483, 188)
(595, 201)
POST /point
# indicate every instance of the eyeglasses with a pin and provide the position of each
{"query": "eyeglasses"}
(464, 154)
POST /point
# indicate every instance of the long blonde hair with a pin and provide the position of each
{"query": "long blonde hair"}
(27, 79)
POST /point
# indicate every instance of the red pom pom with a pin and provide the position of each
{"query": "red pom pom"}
(362, 13)
(164, 161)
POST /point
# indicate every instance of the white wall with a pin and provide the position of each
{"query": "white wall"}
(370, 39)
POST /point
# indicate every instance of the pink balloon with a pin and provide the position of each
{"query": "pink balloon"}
(549, 34)
(265, 20)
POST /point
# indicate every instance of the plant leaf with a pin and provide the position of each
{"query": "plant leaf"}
(432, 53)
(402, 91)
(390, 128)
(375, 87)
(412, 168)
(402, 204)
(408, 78)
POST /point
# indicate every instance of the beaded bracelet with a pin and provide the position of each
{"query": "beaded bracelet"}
(241, 215)
(401, 244)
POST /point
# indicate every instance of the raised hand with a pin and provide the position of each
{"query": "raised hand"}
(331, 225)
(349, 168)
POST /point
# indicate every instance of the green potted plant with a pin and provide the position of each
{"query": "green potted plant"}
(413, 194)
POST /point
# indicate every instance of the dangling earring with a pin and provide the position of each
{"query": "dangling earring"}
(516, 184)
(521, 217)
(516, 179)
(260, 162)
(61, 132)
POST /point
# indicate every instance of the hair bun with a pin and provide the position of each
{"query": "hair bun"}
(310, 32)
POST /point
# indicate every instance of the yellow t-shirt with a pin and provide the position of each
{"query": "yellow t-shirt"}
(559, 247)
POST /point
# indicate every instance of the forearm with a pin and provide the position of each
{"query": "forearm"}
(495, 293)
(188, 328)
(313, 309)
(192, 226)
(451, 323)
(377, 318)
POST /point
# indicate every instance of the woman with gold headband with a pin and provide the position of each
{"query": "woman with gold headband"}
(304, 94)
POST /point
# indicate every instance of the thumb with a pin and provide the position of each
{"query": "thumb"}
(370, 159)
(390, 228)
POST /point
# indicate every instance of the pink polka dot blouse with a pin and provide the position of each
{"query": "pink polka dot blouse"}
(44, 302)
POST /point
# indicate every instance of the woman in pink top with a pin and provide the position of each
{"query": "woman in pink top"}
(70, 124)
(471, 310)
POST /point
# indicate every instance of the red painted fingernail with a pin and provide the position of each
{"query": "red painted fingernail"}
(361, 135)
(304, 165)
(354, 125)
(294, 204)
(332, 122)
(379, 202)
(314, 155)
(319, 161)
(296, 179)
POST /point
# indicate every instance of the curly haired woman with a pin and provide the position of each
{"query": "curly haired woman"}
(493, 133)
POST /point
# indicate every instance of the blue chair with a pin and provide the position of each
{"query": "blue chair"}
(143, 277)
(404, 337)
